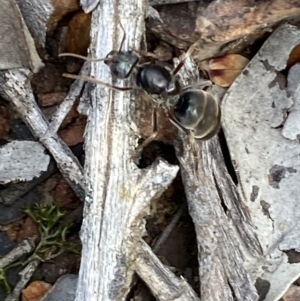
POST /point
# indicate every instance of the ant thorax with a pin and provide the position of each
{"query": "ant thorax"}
(157, 79)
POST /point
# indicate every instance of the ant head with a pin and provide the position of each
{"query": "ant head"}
(121, 63)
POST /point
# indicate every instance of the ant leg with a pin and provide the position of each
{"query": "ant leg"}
(82, 57)
(153, 136)
(186, 55)
(192, 143)
(145, 53)
(176, 123)
(96, 81)
(191, 146)
(89, 59)
(124, 35)
(196, 162)
(203, 85)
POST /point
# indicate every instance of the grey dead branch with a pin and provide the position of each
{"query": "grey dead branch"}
(15, 87)
(241, 230)
(119, 194)
(25, 247)
(25, 276)
(18, 49)
(219, 235)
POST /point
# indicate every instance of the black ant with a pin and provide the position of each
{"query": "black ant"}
(194, 110)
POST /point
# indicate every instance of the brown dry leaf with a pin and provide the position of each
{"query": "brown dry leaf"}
(73, 134)
(64, 195)
(225, 69)
(163, 52)
(51, 99)
(224, 78)
(13, 229)
(4, 122)
(35, 291)
(61, 8)
(65, 263)
(229, 61)
(73, 126)
(28, 229)
(71, 117)
(294, 56)
(78, 39)
(292, 294)
(46, 80)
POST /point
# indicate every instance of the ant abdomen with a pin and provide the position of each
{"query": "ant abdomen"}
(199, 112)
(156, 79)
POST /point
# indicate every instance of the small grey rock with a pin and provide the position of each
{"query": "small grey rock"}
(22, 161)
(63, 289)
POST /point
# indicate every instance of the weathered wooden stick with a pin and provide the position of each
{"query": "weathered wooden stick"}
(16, 88)
(25, 276)
(65, 107)
(24, 247)
(162, 282)
(119, 194)
(210, 192)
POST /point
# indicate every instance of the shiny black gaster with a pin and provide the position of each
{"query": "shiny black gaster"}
(199, 112)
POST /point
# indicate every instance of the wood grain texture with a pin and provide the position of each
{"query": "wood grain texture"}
(222, 221)
(15, 88)
(118, 193)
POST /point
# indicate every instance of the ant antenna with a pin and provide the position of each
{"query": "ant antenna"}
(95, 59)
(186, 55)
(96, 81)
(124, 35)
(89, 59)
